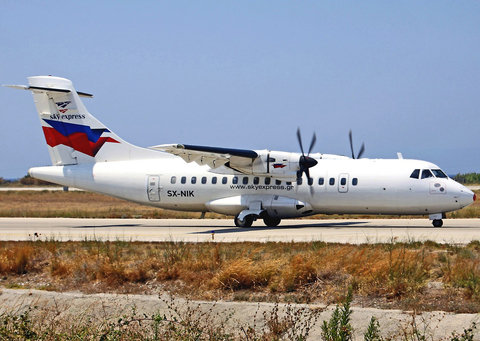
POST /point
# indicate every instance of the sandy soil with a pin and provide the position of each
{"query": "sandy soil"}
(103, 306)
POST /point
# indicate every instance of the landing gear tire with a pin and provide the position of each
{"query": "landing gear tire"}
(437, 223)
(272, 222)
(246, 222)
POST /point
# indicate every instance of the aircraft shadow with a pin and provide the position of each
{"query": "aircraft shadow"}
(277, 228)
(104, 226)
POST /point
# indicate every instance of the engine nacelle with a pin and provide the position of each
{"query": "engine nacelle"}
(275, 164)
(283, 165)
(274, 206)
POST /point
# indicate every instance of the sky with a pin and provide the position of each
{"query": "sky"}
(403, 75)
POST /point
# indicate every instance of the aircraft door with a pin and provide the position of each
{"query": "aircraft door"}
(153, 187)
(343, 183)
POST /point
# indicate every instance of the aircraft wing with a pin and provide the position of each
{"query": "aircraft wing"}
(214, 157)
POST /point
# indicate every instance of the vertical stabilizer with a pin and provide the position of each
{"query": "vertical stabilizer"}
(72, 134)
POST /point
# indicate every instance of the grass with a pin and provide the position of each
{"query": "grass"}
(389, 275)
(79, 204)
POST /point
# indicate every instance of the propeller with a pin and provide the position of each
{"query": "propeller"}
(306, 162)
(362, 149)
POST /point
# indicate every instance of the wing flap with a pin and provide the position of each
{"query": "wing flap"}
(214, 157)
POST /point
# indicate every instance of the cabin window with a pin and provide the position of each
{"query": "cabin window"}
(415, 174)
(183, 180)
(332, 181)
(289, 183)
(173, 180)
(245, 180)
(439, 173)
(194, 180)
(278, 182)
(299, 181)
(321, 181)
(310, 181)
(354, 181)
(224, 180)
(256, 180)
(343, 181)
(214, 180)
(204, 180)
(426, 174)
(235, 180)
(267, 181)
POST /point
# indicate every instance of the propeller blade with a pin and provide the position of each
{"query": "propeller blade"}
(351, 143)
(307, 173)
(299, 137)
(305, 162)
(361, 151)
(314, 139)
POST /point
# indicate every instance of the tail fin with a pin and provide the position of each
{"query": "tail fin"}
(73, 135)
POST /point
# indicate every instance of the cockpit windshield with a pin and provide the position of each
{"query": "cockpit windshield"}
(439, 173)
(426, 174)
(415, 174)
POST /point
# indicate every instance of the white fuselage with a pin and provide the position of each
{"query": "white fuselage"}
(349, 186)
(247, 184)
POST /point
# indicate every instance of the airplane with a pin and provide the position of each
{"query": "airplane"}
(246, 184)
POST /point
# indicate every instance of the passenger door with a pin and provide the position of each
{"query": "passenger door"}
(153, 188)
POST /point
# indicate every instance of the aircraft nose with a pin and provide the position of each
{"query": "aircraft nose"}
(467, 197)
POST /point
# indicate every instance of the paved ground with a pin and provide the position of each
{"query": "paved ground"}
(199, 230)
(59, 188)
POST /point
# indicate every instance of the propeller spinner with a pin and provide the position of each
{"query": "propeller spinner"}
(305, 162)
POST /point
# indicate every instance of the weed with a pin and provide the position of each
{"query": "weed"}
(373, 331)
(467, 335)
(338, 328)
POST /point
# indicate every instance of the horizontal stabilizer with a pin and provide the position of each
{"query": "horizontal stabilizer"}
(39, 89)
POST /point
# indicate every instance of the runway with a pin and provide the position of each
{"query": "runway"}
(355, 231)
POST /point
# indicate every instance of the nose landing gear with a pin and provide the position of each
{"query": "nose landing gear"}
(436, 219)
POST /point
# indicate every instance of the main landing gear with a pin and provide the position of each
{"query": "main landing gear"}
(437, 223)
(248, 221)
(271, 222)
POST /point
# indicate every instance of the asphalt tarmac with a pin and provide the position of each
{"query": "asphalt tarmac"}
(355, 231)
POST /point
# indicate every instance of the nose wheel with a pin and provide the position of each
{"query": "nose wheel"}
(437, 223)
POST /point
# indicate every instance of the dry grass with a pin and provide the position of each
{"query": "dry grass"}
(394, 275)
(79, 204)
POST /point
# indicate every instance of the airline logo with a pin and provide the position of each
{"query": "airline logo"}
(79, 137)
(63, 105)
(279, 165)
